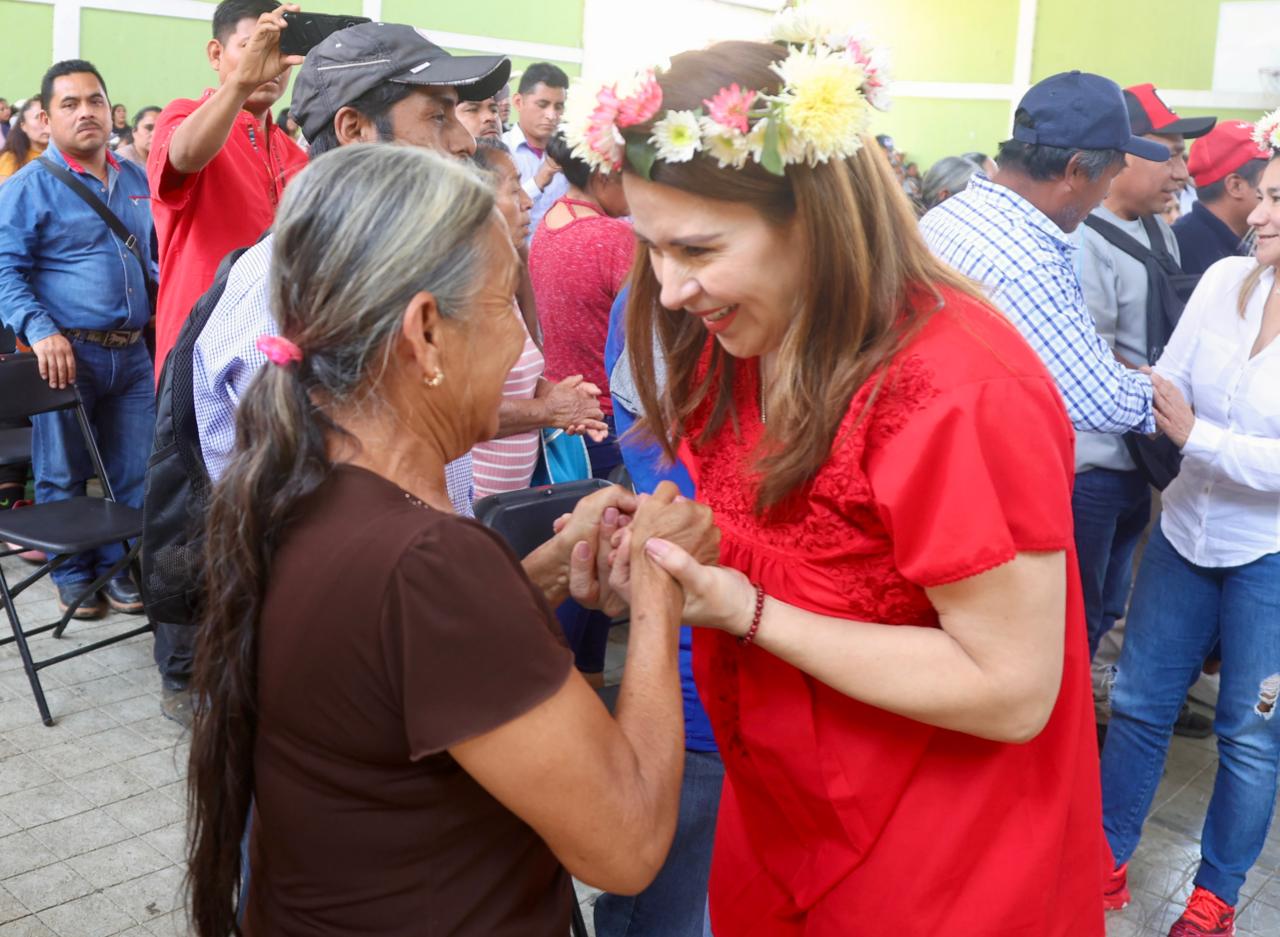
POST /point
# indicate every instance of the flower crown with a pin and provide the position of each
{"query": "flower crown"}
(830, 81)
(1266, 132)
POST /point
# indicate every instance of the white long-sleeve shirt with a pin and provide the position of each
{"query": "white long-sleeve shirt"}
(1223, 509)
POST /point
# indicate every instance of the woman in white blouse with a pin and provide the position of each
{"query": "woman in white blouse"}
(1211, 573)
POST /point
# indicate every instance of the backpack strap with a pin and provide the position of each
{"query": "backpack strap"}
(106, 214)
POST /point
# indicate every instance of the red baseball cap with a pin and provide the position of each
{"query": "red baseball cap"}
(1149, 114)
(1222, 151)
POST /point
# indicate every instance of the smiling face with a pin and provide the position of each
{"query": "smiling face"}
(480, 349)
(79, 116)
(722, 263)
(1265, 218)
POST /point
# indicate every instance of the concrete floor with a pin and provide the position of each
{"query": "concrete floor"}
(92, 810)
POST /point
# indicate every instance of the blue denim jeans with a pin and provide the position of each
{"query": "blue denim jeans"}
(1111, 511)
(675, 905)
(1179, 611)
(117, 386)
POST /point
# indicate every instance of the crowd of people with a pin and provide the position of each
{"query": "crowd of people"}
(892, 441)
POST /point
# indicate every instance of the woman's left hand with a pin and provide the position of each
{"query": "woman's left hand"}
(1174, 416)
(714, 596)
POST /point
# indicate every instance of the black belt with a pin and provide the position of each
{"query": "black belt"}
(113, 338)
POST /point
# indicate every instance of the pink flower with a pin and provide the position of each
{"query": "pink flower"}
(643, 104)
(730, 106)
(859, 54)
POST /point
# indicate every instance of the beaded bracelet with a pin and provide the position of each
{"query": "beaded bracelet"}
(755, 620)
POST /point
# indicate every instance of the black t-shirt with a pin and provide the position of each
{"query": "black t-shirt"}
(390, 632)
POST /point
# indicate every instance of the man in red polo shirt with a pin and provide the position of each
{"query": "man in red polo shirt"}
(218, 166)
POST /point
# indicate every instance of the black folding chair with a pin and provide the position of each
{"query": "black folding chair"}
(60, 528)
(524, 518)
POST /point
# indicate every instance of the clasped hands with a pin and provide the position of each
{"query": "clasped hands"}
(612, 531)
(1174, 416)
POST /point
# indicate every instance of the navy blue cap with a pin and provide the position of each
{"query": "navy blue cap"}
(1077, 110)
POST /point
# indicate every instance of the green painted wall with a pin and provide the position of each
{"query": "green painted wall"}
(26, 36)
(927, 129)
(166, 60)
(555, 23)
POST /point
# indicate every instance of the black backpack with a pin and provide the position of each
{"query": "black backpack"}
(176, 497)
(1168, 290)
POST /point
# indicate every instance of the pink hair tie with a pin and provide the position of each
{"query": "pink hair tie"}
(279, 351)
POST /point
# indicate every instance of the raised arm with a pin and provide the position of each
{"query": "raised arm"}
(203, 134)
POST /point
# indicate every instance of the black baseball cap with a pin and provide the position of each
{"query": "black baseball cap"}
(1149, 114)
(357, 59)
(1077, 110)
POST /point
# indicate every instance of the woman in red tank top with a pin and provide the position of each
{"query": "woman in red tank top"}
(892, 650)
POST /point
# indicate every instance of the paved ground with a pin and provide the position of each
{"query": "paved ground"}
(92, 809)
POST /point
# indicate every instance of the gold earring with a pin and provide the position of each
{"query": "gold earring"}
(434, 381)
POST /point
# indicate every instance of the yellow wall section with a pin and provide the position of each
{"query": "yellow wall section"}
(945, 40)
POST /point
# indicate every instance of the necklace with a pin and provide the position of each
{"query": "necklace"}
(764, 415)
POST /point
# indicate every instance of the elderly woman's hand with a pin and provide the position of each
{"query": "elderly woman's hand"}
(1174, 417)
(573, 405)
(580, 549)
(664, 516)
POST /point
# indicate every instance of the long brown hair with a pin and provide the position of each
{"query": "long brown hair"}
(871, 283)
(360, 232)
(19, 143)
(1255, 275)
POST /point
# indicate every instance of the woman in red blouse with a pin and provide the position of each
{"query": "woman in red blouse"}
(892, 652)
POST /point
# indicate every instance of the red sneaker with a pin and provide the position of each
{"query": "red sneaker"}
(1115, 890)
(1207, 915)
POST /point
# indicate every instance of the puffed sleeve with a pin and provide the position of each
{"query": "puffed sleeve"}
(980, 473)
(470, 642)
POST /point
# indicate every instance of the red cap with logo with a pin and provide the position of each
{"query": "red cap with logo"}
(1223, 151)
(1149, 114)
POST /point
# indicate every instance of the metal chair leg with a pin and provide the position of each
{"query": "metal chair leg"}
(28, 663)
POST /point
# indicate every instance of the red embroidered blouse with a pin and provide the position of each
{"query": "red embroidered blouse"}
(836, 813)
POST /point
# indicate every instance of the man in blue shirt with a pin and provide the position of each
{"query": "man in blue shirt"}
(1225, 165)
(73, 291)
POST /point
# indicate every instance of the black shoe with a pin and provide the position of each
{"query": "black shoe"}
(91, 607)
(1192, 725)
(123, 596)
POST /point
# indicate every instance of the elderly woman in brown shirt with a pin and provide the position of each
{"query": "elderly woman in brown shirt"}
(382, 676)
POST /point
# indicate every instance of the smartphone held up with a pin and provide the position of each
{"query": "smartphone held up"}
(304, 31)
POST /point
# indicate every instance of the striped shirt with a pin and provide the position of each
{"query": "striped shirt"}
(992, 234)
(507, 464)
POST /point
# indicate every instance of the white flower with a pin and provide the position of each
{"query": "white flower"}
(725, 144)
(1266, 132)
(810, 23)
(677, 136)
(578, 106)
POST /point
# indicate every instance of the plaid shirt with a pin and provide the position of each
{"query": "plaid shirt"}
(226, 358)
(995, 236)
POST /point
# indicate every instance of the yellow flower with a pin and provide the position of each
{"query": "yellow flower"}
(725, 144)
(824, 105)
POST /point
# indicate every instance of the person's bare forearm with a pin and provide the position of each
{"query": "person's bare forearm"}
(918, 672)
(547, 569)
(650, 709)
(204, 133)
(521, 416)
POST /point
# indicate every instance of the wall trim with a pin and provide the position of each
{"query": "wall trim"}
(1174, 97)
(66, 27)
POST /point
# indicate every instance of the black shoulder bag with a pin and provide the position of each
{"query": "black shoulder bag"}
(106, 214)
(1168, 290)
